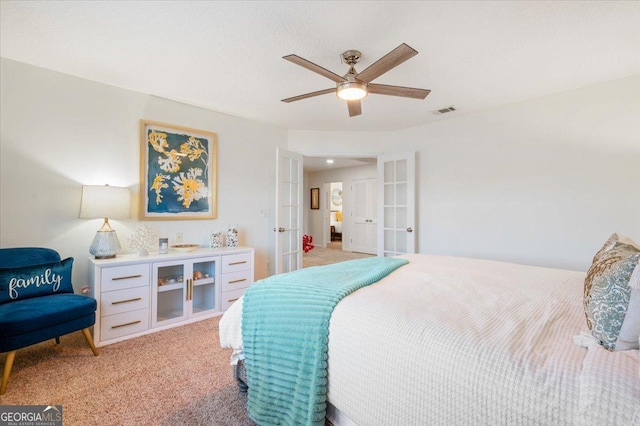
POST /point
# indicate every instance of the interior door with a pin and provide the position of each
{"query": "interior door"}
(288, 215)
(396, 204)
(364, 216)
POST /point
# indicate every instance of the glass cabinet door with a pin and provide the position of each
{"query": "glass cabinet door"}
(169, 293)
(202, 290)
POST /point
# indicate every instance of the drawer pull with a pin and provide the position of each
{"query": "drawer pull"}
(126, 301)
(124, 325)
(237, 263)
(233, 300)
(126, 278)
(237, 281)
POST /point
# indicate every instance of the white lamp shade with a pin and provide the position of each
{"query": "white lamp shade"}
(105, 201)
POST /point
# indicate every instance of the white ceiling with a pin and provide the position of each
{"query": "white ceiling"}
(227, 56)
(317, 164)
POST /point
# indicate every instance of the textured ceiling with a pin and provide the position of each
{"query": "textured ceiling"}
(227, 56)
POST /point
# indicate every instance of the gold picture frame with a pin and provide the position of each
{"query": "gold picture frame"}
(178, 172)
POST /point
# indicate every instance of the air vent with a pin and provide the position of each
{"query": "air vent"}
(444, 110)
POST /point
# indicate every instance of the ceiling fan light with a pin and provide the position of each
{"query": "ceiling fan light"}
(351, 91)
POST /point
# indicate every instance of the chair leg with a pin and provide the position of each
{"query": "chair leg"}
(57, 340)
(8, 364)
(87, 335)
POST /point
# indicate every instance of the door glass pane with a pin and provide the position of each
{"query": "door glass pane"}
(389, 217)
(286, 217)
(286, 194)
(389, 194)
(295, 240)
(401, 194)
(286, 247)
(401, 171)
(294, 262)
(401, 223)
(294, 217)
(401, 241)
(389, 240)
(389, 172)
(286, 264)
(294, 194)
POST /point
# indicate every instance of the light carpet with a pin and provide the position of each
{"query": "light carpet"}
(332, 254)
(179, 376)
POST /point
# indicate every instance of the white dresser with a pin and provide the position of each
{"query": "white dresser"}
(138, 295)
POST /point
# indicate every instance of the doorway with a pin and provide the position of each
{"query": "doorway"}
(395, 175)
(335, 212)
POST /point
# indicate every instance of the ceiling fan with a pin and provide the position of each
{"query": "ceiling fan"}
(354, 86)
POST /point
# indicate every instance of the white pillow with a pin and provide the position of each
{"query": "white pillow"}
(333, 217)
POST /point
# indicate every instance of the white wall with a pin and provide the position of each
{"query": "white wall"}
(315, 218)
(543, 182)
(61, 132)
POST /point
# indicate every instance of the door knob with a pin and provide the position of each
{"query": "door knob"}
(409, 229)
(280, 229)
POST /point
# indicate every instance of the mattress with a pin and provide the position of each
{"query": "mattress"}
(337, 226)
(447, 340)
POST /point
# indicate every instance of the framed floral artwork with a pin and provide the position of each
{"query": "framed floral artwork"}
(178, 173)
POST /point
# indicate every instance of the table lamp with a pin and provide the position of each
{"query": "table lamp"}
(107, 202)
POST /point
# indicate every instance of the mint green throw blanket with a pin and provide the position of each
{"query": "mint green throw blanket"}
(285, 335)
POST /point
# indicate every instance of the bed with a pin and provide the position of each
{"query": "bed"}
(335, 225)
(447, 340)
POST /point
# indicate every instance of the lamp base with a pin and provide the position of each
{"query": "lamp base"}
(105, 245)
(113, 256)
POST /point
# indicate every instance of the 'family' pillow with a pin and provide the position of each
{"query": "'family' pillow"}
(611, 299)
(37, 280)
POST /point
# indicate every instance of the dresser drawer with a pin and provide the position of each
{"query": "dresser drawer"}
(130, 299)
(125, 323)
(236, 280)
(228, 297)
(236, 262)
(121, 277)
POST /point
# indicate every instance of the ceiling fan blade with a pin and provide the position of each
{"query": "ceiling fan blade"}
(309, 95)
(405, 92)
(355, 108)
(315, 68)
(387, 62)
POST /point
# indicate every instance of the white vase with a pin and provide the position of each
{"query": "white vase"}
(232, 236)
(216, 240)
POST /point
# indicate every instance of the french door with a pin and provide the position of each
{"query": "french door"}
(396, 204)
(288, 215)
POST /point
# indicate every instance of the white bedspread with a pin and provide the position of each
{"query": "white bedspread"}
(337, 226)
(446, 341)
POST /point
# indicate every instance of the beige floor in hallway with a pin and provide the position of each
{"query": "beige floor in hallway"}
(332, 254)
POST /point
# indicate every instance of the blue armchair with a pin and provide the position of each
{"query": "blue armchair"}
(37, 302)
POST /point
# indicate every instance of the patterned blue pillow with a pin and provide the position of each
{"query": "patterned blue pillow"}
(607, 293)
(34, 281)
